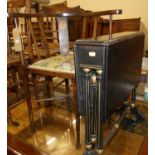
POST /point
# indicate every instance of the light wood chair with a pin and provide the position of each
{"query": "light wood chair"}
(14, 81)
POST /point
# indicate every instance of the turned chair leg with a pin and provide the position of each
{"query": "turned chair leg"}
(35, 84)
(67, 94)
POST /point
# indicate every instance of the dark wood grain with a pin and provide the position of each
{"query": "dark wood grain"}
(16, 145)
(144, 147)
(68, 12)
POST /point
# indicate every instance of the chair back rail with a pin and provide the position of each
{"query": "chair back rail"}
(69, 12)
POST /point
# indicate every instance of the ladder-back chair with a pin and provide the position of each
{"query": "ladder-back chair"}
(14, 80)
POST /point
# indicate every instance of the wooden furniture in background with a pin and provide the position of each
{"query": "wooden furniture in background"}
(75, 25)
(120, 25)
(14, 81)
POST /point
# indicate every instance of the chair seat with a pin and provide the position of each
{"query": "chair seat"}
(14, 59)
(59, 63)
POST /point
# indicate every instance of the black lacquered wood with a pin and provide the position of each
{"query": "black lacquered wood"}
(87, 119)
(133, 95)
(93, 109)
(117, 64)
(99, 126)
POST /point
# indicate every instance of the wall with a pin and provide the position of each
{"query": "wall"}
(131, 9)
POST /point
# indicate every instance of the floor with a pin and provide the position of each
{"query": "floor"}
(55, 131)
